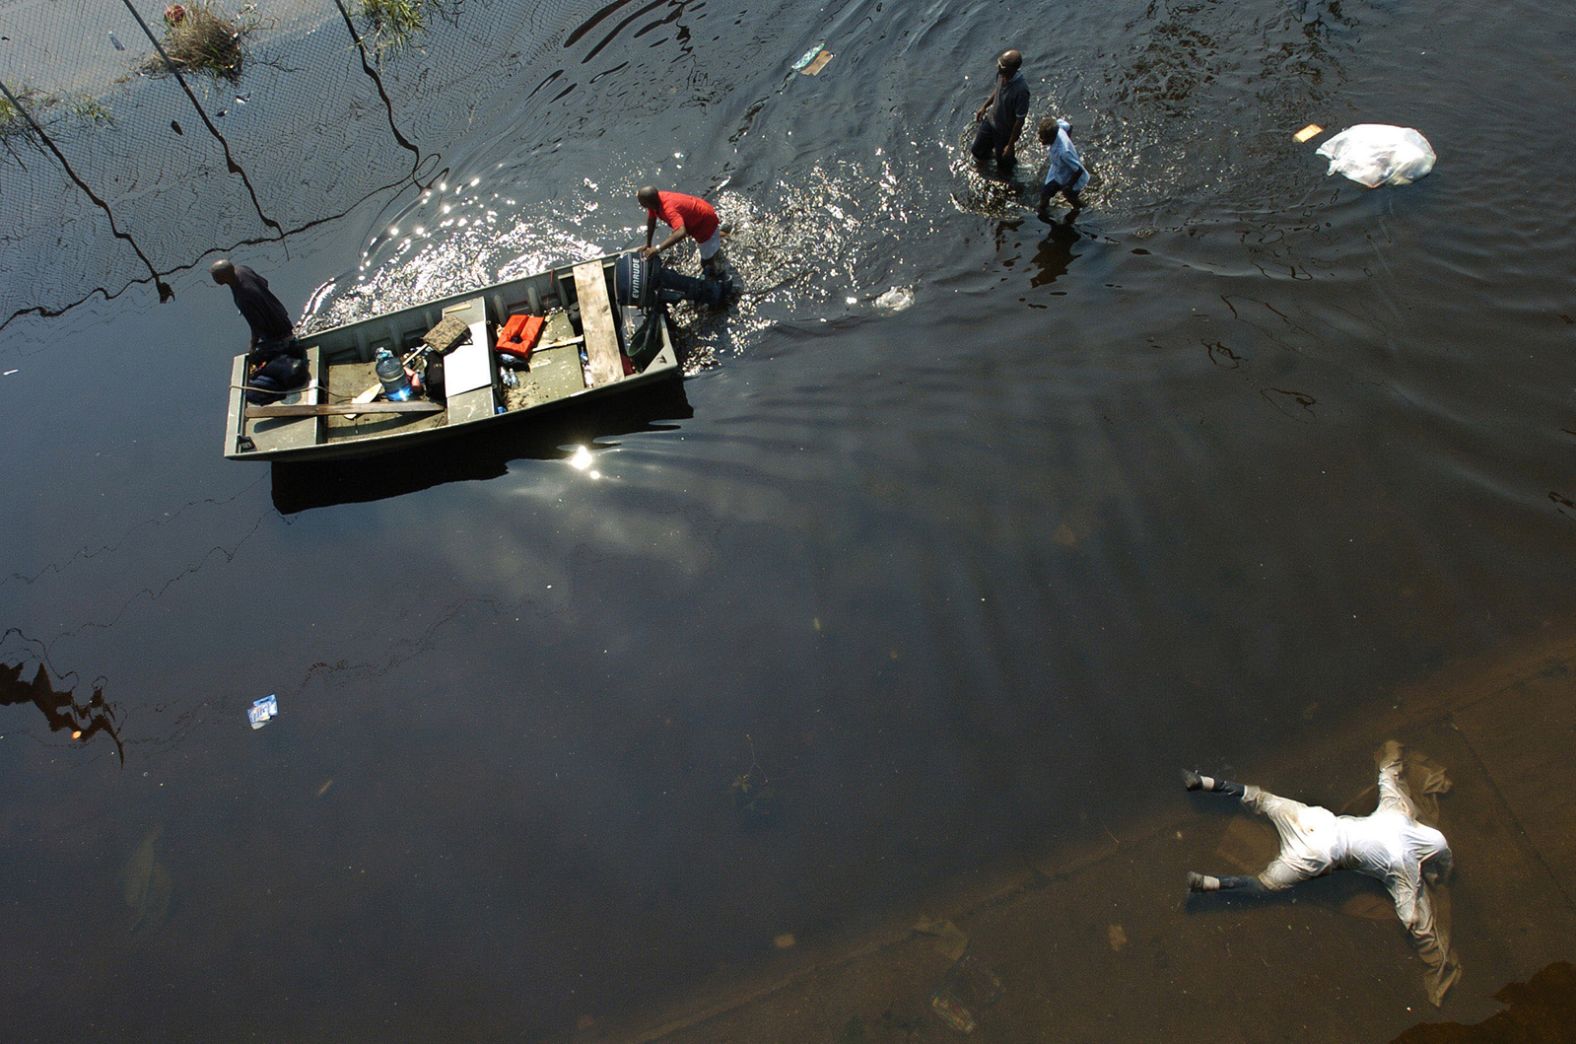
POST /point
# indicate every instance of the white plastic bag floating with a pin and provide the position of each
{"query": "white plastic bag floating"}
(1375, 154)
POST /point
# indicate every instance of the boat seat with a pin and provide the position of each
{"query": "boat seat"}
(596, 322)
(277, 433)
(469, 370)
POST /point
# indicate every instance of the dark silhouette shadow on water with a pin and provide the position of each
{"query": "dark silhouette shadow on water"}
(1541, 1009)
(377, 82)
(473, 456)
(82, 721)
(43, 139)
(1055, 254)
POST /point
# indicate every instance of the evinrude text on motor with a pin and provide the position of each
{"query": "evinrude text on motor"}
(646, 283)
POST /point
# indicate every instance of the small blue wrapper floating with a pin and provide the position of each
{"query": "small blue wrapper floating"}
(262, 710)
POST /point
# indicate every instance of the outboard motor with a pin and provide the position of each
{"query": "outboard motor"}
(646, 283)
(633, 286)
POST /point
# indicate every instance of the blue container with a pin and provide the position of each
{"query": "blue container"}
(391, 372)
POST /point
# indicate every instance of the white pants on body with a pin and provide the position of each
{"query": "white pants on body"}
(1308, 836)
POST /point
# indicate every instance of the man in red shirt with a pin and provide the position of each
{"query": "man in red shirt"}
(686, 216)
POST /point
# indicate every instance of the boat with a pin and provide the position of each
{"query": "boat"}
(584, 350)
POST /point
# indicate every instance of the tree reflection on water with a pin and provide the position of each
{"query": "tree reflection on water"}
(82, 721)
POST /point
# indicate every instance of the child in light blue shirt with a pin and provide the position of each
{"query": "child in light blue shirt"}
(1064, 169)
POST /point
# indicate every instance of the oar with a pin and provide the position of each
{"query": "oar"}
(327, 409)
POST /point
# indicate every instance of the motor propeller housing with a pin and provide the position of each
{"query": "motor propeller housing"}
(646, 283)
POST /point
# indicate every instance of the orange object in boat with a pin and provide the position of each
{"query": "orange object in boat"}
(519, 335)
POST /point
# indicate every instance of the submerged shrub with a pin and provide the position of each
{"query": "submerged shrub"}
(50, 111)
(11, 119)
(392, 23)
(201, 37)
(91, 110)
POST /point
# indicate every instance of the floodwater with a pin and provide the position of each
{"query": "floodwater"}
(966, 530)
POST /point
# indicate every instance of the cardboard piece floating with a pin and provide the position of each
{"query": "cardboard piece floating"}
(814, 60)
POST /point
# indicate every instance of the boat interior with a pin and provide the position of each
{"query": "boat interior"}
(583, 345)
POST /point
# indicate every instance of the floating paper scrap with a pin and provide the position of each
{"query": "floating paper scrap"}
(1307, 132)
(262, 710)
(814, 60)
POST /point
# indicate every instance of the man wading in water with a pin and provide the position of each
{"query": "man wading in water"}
(686, 216)
(1008, 107)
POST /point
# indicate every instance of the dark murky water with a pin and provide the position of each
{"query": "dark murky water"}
(975, 526)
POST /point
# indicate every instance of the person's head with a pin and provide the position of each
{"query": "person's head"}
(223, 271)
(1008, 64)
(648, 197)
(1050, 125)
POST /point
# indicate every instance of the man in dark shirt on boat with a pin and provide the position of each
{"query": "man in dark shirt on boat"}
(275, 362)
(996, 137)
(686, 216)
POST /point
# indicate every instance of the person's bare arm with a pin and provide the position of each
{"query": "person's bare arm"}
(983, 109)
(678, 234)
(1012, 137)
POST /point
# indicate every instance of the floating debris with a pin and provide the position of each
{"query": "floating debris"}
(754, 797)
(969, 986)
(263, 710)
(1374, 154)
(897, 299)
(145, 884)
(1312, 130)
(814, 60)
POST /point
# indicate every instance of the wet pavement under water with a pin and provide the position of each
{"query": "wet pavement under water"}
(966, 530)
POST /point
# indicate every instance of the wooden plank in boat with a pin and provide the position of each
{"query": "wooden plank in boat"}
(324, 409)
(596, 320)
